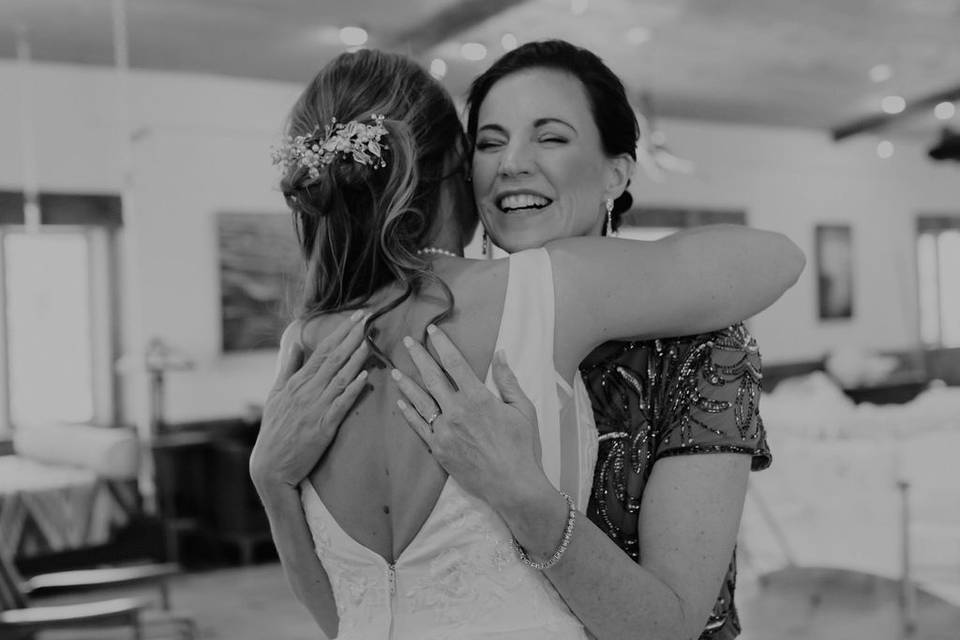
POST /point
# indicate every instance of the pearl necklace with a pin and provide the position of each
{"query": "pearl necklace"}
(437, 252)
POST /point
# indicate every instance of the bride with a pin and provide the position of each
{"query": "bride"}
(374, 175)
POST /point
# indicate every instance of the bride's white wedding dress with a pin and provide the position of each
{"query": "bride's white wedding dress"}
(459, 578)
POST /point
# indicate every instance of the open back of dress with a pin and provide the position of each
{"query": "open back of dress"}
(459, 578)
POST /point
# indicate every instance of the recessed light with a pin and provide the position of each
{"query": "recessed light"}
(638, 35)
(579, 7)
(893, 104)
(944, 111)
(438, 68)
(881, 73)
(509, 42)
(473, 51)
(885, 149)
(353, 36)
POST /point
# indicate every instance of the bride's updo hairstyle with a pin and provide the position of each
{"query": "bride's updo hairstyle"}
(361, 219)
(609, 106)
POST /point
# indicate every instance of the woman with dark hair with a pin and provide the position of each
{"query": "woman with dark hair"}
(664, 409)
(385, 537)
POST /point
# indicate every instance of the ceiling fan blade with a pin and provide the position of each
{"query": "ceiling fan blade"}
(880, 120)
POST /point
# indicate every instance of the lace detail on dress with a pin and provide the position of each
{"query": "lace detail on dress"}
(464, 582)
(320, 535)
(357, 593)
(458, 579)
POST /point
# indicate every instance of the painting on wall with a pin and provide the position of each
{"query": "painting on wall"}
(260, 275)
(834, 256)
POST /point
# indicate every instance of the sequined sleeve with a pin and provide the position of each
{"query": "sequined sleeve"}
(711, 402)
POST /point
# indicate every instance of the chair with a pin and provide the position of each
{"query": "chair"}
(113, 618)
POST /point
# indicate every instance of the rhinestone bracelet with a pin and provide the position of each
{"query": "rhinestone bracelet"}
(564, 543)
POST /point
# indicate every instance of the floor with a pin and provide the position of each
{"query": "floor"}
(820, 604)
(798, 604)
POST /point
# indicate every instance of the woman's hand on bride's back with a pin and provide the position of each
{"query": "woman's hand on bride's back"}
(490, 446)
(307, 403)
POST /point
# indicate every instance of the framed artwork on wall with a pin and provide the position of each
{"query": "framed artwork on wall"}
(833, 246)
(260, 275)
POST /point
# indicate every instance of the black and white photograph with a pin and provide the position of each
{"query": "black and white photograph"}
(479, 320)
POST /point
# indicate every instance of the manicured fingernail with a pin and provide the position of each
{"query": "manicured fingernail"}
(395, 374)
(357, 315)
(402, 404)
(431, 329)
(407, 341)
(362, 375)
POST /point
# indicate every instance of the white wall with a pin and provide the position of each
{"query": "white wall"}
(202, 146)
(789, 180)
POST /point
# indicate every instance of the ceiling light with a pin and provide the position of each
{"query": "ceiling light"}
(885, 149)
(881, 73)
(893, 104)
(473, 51)
(438, 68)
(638, 35)
(353, 36)
(579, 7)
(509, 41)
(944, 110)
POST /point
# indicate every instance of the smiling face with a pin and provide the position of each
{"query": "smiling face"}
(539, 170)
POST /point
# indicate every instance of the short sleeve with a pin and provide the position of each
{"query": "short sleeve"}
(711, 401)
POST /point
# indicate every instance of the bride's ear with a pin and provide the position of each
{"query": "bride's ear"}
(620, 169)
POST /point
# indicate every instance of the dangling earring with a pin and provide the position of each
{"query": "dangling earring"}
(609, 204)
(486, 243)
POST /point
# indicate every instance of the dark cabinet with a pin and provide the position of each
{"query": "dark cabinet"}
(204, 491)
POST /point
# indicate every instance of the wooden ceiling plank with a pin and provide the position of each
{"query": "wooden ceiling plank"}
(446, 24)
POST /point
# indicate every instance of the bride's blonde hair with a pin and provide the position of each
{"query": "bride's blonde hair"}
(360, 224)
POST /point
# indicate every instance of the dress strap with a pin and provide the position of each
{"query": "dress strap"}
(526, 336)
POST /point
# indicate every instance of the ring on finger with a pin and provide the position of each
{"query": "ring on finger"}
(432, 419)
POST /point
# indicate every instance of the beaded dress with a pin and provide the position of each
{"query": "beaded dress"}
(679, 396)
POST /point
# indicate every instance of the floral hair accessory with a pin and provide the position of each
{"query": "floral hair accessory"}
(359, 141)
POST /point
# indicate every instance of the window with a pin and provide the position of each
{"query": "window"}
(938, 273)
(57, 320)
(49, 350)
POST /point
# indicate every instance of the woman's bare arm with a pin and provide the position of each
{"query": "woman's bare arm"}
(303, 569)
(690, 515)
(691, 507)
(303, 411)
(698, 280)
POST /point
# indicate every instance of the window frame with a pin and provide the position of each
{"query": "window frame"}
(933, 225)
(98, 218)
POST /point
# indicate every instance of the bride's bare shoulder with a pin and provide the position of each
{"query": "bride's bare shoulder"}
(310, 332)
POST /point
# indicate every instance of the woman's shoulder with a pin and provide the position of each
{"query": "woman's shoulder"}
(695, 394)
(473, 281)
(308, 332)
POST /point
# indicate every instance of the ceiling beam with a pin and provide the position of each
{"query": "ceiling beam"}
(880, 120)
(445, 24)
